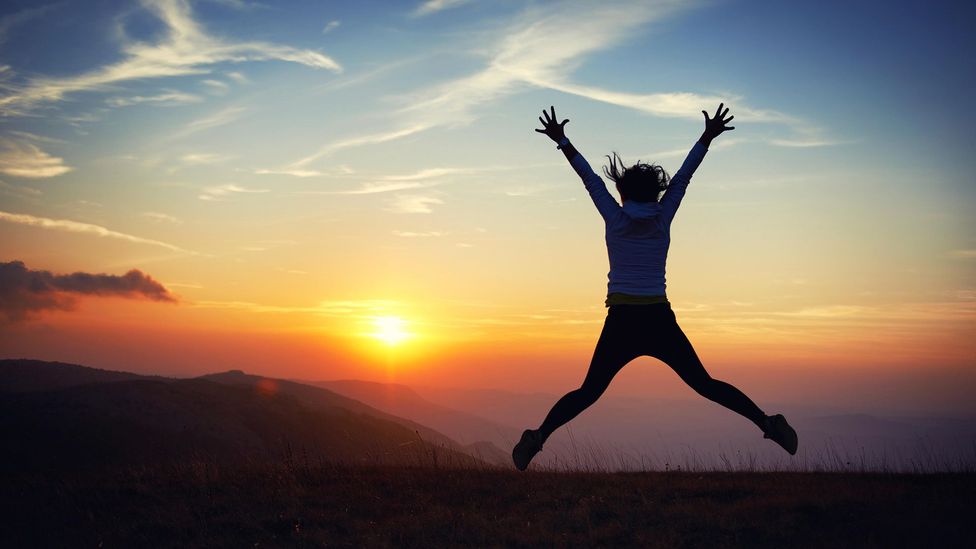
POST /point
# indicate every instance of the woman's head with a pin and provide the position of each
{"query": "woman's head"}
(640, 182)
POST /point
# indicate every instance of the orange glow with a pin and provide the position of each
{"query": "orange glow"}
(427, 235)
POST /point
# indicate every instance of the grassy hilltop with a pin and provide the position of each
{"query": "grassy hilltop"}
(94, 458)
(295, 504)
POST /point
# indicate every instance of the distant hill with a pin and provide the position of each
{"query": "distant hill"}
(320, 397)
(23, 375)
(403, 401)
(91, 419)
(632, 431)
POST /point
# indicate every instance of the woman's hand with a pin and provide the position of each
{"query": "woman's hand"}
(716, 125)
(550, 127)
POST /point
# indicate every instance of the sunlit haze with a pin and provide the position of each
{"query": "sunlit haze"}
(389, 329)
(321, 190)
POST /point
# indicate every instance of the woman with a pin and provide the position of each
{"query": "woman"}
(640, 320)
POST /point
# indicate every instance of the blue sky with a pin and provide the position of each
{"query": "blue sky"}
(846, 73)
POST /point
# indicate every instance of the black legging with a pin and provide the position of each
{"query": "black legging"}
(631, 331)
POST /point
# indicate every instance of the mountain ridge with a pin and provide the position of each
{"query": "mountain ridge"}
(65, 416)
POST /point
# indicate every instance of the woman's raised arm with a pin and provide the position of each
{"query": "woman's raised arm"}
(679, 182)
(604, 201)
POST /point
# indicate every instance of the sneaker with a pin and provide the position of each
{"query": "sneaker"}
(526, 449)
(777, 429)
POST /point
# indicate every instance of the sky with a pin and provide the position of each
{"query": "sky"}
(326, 190)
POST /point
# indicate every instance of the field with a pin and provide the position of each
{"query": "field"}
(293, 503)
(93, 458)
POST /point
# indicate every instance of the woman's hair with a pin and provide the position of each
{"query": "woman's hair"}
(641, 182)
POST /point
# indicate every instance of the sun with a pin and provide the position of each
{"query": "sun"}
(390, 330)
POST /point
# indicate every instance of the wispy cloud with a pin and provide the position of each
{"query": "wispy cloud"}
(681, 152)
(668, 105)
(219, 118)
(21, 158)
(251, 307)
(168, 98)
(543, 50)
(238, 77)
(413, 204)
(15, 190)
(185, 49)
(434, 6)
(412, 234)
(839, 319)
(36, 138)
(292, 172)
(382, 187)
(806, 136)
(427, 173)
(330, 26)
(216, 87)
(197, 159)
(963, 254)
(162, 218)
(805, 143)
(367, 75)
(24, 291)
(369, 139)
(241, 5)
(221, 191)
(366, 308)
(85, 228)
(336, 171)
(399, 182)
(827, 311)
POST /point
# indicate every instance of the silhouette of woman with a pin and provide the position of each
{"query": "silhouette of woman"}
(640, 320)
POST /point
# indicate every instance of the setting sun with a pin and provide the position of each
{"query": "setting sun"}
(390, 330)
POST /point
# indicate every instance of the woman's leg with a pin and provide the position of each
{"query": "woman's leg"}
(673, 348)
(613, 350)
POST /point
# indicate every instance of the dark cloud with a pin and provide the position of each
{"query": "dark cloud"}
(23, 291)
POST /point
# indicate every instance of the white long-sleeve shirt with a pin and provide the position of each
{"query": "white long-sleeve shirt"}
(638, 233)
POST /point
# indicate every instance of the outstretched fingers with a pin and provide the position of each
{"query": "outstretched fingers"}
(725, 121)
(551, 125)
(718, 123)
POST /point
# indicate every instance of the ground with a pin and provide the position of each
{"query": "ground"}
(300, 505)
